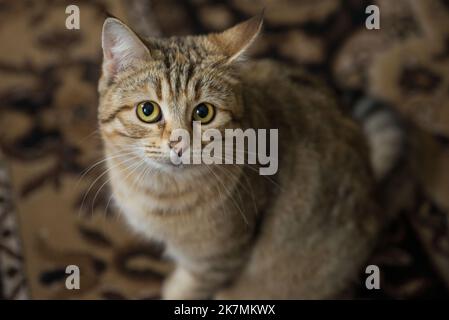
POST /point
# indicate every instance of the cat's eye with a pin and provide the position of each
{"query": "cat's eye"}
(148, 111)
(204, 112)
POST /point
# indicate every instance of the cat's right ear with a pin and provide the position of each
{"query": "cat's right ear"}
(121, 47)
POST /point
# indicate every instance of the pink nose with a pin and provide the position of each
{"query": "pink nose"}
(176, 147)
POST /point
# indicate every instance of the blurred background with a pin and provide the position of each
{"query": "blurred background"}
(54, 202)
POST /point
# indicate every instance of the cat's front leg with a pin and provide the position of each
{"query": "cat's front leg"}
(183, 285)
(204, 279)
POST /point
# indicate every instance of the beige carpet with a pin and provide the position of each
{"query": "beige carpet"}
(48, 132)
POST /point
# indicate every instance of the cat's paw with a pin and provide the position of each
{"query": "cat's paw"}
(181, 285)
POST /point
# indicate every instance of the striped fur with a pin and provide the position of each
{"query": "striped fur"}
(226, 227)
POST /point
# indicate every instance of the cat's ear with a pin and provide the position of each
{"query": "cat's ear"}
(121, 47)
(234, 41)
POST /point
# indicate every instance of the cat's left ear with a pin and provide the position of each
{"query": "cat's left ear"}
(121, 47)
(235, 41)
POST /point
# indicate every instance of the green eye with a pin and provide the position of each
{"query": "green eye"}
(148, 111)
(204, 112)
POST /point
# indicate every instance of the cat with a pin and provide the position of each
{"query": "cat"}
(304, 232)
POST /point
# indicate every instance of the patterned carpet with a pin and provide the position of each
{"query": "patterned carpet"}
(55, 212)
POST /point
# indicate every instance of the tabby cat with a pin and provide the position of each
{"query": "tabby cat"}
(304, 232)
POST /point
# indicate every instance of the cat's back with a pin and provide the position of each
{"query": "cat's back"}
(282, 81)
(302, 108)
(322, 152)
(290, 96)
(321, 211)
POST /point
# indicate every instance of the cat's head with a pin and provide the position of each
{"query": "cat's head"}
(151, 87)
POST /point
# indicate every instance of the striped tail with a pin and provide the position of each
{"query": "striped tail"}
(384, 132)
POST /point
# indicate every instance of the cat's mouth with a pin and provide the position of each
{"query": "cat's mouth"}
(173, 162)
(166, 164)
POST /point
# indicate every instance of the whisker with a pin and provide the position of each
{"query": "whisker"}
(220, 195)
(99, 177)
(246, 166)
(230, 196)
(109, 179)
(247, 188)
(84, 172)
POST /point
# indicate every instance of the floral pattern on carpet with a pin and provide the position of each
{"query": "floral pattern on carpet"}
(55, 207)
